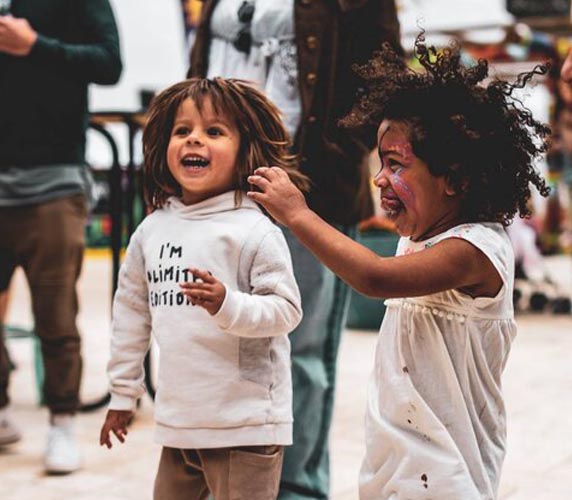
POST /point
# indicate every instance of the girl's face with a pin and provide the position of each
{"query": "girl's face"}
(202, 152)
(420, 204)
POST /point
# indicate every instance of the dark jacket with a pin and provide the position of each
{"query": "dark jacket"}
(43, 96)
(331, 35)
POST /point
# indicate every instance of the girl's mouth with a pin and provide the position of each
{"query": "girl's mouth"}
(392, 205)
(195, 162)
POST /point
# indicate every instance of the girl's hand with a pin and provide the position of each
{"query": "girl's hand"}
(116, 421)
(208, 293)
(278, 195)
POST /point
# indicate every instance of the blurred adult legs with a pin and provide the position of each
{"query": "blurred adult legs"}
(48, 241)
(315, 344)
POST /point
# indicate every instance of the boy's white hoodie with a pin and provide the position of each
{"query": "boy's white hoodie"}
(224, 380)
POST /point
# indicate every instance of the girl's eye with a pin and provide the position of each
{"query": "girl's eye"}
(392, 164)
(395, 166)
(214, 131)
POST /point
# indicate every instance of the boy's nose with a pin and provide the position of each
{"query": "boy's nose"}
(194, 138)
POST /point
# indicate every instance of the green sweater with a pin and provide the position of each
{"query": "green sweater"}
(43, 97)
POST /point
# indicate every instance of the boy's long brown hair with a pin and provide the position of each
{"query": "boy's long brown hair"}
(264, 140)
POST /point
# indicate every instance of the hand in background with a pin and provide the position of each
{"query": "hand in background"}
(208, 292)
(278, 195)
(16, 36)
(116, 421)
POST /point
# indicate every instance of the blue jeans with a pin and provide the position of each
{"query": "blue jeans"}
(315, 343)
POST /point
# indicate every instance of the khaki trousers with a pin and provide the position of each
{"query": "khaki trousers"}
(241, 473)
(47, 240)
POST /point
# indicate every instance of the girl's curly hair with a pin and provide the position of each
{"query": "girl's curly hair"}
(479, 135)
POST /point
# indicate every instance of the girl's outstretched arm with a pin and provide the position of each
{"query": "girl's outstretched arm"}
(451, 264)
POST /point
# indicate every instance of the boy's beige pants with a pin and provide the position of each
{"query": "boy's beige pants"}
(241, 473)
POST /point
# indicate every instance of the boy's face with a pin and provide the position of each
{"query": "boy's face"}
(421, 204)
(202, 152)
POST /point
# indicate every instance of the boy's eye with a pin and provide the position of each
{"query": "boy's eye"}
(214, 131)
(181, 131)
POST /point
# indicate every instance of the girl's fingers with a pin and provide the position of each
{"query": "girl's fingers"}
(278, 172)
(256, 196)
(261, 171)
(260, 182)
(268, 172)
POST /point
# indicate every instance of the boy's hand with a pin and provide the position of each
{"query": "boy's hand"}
(116, 421)
(278, 195)
(208, 293)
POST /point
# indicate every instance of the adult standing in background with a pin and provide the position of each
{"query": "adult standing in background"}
(300, 52)
(50, 50)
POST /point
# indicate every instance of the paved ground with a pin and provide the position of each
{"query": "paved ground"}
(537, 385)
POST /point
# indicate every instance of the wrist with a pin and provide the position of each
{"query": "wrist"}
(298, 218)
(31, 40)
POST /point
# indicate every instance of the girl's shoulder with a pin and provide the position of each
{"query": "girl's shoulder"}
(480, 234)
(490, 238)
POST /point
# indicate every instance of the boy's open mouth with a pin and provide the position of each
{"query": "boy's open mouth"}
(195, 162)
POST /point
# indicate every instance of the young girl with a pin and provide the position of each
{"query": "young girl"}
(457, 162)
(211, 277)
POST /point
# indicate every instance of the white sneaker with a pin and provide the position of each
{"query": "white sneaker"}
(62, 453)
(9, 433)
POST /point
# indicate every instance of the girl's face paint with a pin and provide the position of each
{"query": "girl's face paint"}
(402, 189)
(419, 203)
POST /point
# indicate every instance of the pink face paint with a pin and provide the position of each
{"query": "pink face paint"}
(405, 151)
(397, 157)
(402, 189)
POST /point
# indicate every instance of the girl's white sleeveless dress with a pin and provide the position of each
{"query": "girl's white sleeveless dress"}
(435, 422)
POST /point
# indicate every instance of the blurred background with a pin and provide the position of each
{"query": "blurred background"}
(513, 34)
